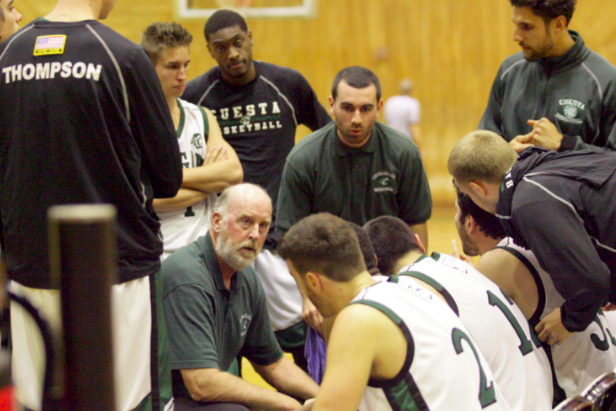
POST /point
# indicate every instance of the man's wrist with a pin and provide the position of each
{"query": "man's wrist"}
(567, 143)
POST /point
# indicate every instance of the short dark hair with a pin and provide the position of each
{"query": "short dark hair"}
(391, 239)
(222, 19)
(160, 35)
(357, 77)
(323, 243)
(548, 9)
(365, 245)
(488, 223)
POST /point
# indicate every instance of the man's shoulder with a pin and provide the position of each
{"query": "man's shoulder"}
(309, 147)
(275, 72)
(78, 33)
(197, 86)
(600, 66)
(186, 266)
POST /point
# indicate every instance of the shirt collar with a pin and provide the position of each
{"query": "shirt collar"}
(342, 150)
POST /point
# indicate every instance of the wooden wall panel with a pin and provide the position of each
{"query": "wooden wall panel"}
(450, 48)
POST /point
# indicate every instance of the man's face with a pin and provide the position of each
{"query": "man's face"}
(243, 232)
(232, 49)
(532, 34)
(482, 201)
(355, 110)
(11, 19)
(172, 70)
(320, 301)
(469, 246)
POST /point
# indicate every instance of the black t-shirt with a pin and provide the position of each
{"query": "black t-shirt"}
(84, 120)
(259, 119)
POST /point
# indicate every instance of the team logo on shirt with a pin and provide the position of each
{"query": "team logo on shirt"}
(571, 108)
(244, 323)
(197, 141)
(383, 181)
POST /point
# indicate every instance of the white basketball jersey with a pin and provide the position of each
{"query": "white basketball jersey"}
(504, 336)
(585, 355)
(182, 227)
(443, 370)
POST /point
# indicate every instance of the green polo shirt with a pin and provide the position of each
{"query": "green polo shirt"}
(384, 177)
(209, 325)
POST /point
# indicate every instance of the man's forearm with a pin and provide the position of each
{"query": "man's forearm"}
(183, 199)
(211, 385)
(288, 378)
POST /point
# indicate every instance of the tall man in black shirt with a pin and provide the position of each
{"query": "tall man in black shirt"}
(85, 121)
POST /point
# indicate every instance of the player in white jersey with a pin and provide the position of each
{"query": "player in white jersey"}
(510, 346)
(210, 164)
(579, 359)
(390, 348)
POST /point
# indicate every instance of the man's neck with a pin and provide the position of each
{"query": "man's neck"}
(226, 271)
(346, 292)
(75, 10)
(563, 45)
(406, 260)
(485, 244)
(250, 75)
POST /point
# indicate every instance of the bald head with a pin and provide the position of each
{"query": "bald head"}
(237, 195)
(406, 86)
(481, 156)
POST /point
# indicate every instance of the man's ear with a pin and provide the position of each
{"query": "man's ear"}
(331, 105)
(420, 244)
(217, 222)
(313, 281)
(470, 225)
(559, 23)
(479, 188)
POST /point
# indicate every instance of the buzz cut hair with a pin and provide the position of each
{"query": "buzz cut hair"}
(357, 77)
(222, 19)
(548, 10)
(391, 239)
(325, 244)
(481, 155)
(158, 36)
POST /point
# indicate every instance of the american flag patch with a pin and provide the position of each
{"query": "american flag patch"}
(46, 45)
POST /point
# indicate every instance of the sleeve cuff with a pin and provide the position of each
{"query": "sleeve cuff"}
(567, 143)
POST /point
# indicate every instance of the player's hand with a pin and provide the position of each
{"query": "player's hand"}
(545, 134)
(456, 253)
(307, 405)
(215, 154)
(551, 329)
(521, 142)
(311, 315)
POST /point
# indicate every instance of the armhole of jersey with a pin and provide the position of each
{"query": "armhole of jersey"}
(436, 285)
(410, 350)
(206, 123)
(536, 317)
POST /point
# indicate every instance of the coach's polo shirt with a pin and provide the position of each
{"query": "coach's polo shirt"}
(384, 177)
(209, 325)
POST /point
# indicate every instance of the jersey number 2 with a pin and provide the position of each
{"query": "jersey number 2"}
(486, 392)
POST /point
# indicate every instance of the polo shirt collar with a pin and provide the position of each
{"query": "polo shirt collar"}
(211, 260)
(342, 150)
